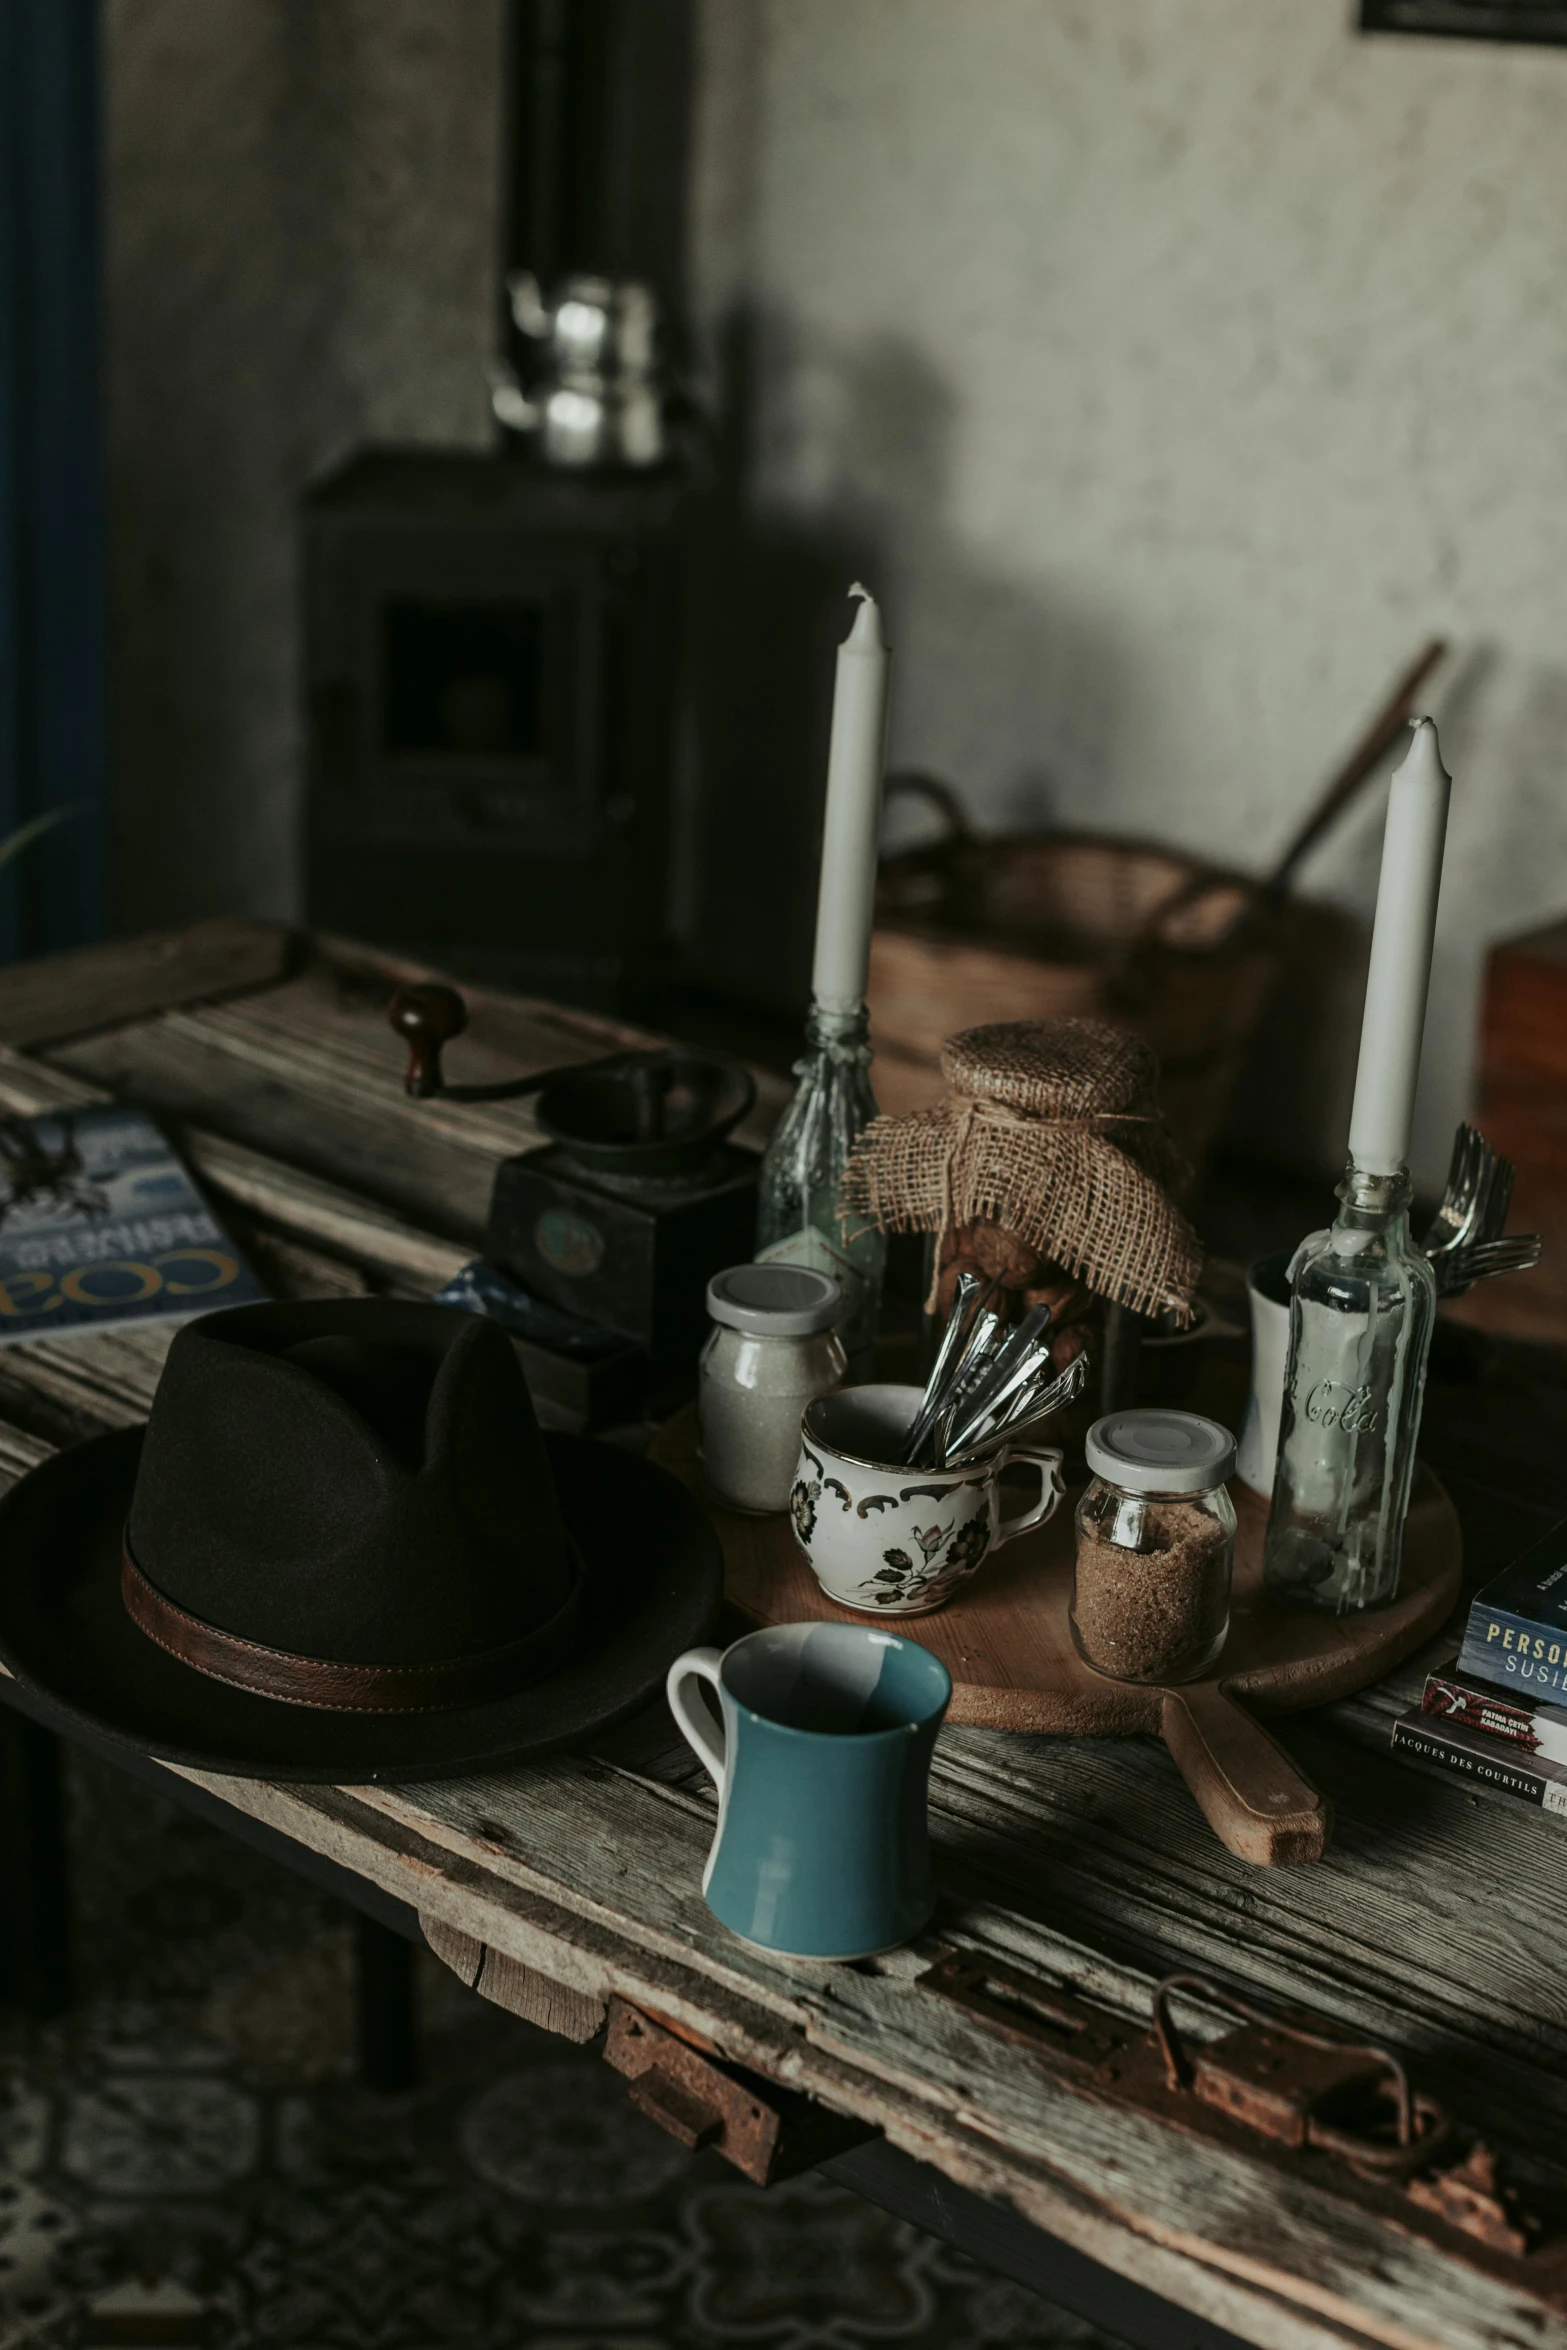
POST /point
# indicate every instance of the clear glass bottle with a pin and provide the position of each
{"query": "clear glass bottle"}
(1363, 1298)
(798, 1221)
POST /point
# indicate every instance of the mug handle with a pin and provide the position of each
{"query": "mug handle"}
(1047, 1459)
(693, 1720)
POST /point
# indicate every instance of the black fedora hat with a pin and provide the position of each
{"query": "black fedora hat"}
(342, 1549)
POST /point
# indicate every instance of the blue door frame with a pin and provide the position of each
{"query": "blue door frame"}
(52, 633)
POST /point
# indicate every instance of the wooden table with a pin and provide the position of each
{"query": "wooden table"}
(1437, 1924)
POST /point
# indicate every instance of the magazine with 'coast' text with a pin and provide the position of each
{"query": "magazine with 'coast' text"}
(101, 1225)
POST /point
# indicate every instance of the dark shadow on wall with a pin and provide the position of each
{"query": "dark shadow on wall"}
(1029, 703)
(769, 609)
(768, 606)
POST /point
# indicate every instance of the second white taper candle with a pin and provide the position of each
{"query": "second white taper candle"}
(847, 893)
(1401, 941)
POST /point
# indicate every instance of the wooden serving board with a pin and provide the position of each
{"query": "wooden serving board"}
(1008, 1646)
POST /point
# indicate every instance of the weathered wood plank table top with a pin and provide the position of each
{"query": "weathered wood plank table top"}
(1437, 1923)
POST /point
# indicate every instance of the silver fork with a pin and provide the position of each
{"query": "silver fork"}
(1473, 1215)
(998, 1397)
(1492, 1221)
(971, 1291)
(1458, 1269)
(1469, 1178)
(1064, 1388)
(970, 1369)
(1495, 1198)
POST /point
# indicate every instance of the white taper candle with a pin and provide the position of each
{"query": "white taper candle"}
(854, 770)
(1400, 973)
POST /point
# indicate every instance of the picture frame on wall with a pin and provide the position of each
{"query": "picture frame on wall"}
(1469, 20)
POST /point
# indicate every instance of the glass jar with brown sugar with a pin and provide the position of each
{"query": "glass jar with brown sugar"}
(1155, 1547)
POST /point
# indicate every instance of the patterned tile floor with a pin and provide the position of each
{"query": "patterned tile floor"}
(187, 2158)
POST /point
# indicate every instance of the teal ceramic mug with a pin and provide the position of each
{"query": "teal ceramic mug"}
(822, 1768)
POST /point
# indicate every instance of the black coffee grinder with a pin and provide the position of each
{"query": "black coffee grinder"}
(637, 1198)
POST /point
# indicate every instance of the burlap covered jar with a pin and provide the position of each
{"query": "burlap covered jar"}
(1052, 1129)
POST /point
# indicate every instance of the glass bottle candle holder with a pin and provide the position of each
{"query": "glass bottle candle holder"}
(798, 1221)
(1363, 1299)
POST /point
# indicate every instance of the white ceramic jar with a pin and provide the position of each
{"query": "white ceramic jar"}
(1268, 1290)
(774, 1348)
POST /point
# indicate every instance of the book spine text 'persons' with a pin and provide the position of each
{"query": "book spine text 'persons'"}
(1514, 1652)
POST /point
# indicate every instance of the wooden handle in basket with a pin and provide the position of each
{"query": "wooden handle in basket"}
(1250, 1792)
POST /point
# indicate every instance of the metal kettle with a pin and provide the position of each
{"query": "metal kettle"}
(598, 398)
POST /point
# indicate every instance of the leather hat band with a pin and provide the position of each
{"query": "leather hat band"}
(340, 1688)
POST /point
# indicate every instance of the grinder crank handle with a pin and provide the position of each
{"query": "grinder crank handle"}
(429, 1016)
(1251, 1794)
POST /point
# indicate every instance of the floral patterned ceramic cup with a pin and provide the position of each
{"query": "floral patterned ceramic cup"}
(892, 1541)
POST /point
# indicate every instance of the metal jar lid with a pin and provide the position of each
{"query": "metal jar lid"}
(1160, 1452)
(775, 1301)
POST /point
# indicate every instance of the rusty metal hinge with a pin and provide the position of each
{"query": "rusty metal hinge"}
(1302, 2084)
(768, 2133)
(1023, 2009)
(1290, 2080)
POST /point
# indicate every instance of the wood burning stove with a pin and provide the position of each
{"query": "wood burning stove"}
(490, 659)
(490, 646)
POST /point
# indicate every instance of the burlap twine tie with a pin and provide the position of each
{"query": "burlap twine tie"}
(1051, 1128)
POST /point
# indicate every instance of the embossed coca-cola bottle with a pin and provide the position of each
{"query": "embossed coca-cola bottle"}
(1360, 1328)
(1363, 1295)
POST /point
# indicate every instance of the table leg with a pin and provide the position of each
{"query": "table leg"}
(388, 2008)
(35, 1967)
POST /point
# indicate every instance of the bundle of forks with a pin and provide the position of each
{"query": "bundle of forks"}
(988, 1383)
(1465, 1240)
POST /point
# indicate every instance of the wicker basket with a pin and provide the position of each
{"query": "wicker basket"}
(1039, 926)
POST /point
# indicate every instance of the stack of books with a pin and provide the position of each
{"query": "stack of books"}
(1500, 1713)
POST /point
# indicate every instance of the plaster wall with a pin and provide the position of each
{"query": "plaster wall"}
(1183, 368)
(301, 216)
